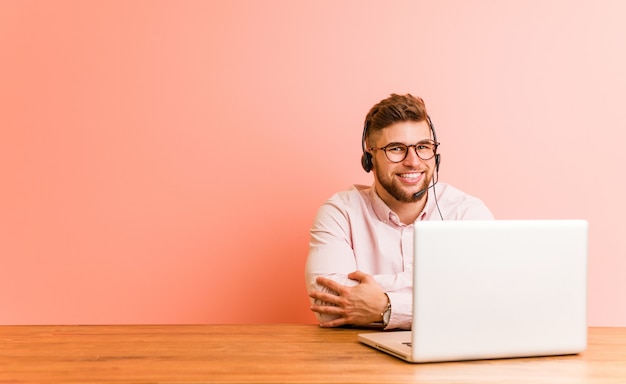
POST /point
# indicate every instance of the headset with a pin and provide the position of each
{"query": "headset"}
(366, 158)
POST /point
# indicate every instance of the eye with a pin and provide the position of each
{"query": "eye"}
(396, 148)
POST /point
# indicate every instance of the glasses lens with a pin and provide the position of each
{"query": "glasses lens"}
(396, 152)
(425, 151)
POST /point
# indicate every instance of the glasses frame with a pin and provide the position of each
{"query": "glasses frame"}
(432, 142)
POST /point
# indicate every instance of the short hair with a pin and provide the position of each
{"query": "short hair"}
(394, 109)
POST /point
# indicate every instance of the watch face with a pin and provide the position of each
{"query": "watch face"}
(386, 316)
(387, 313)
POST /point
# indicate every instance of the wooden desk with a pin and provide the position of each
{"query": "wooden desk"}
(269, 354)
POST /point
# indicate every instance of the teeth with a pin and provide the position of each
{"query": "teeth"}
(410, 175)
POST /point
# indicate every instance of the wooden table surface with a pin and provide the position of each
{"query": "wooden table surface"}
(269, 354)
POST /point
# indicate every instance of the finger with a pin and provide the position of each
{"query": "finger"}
(334, 323)
(330, 284)
(359, 276)
(324, 297)
(327, 310)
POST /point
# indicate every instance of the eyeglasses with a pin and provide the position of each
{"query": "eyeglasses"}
(397, 152)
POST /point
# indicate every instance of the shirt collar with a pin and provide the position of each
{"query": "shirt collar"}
(386, 215)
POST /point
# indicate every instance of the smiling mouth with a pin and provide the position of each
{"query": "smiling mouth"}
(411, 176)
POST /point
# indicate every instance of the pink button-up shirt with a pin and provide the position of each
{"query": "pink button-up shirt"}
(356, 230)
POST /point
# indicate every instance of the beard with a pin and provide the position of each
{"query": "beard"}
(399, 193)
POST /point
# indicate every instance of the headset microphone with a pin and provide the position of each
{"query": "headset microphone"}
(421, 192)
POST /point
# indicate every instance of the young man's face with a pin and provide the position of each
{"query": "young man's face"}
(401, 181)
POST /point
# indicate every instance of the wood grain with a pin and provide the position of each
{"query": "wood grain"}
(268, 354)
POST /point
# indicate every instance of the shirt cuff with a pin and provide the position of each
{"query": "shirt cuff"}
(401, 310)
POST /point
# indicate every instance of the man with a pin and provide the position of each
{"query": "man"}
(359, 268)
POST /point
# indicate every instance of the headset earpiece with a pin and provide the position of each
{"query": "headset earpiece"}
(366, 158)
(366, 161)
(432, 129)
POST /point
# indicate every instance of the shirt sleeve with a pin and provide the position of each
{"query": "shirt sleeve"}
(399, 289)
(331, 254)
(401, 310)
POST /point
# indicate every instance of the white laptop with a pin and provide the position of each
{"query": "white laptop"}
(494, 289)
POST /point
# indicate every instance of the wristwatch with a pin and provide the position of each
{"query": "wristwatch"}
(386, 315)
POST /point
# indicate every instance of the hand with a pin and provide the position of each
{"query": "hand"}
(358, 305)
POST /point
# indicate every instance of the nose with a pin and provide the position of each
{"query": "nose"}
(411, 158)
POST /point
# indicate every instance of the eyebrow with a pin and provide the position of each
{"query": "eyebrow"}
(425, 141)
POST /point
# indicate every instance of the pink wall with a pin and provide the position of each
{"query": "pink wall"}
(161, 161)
